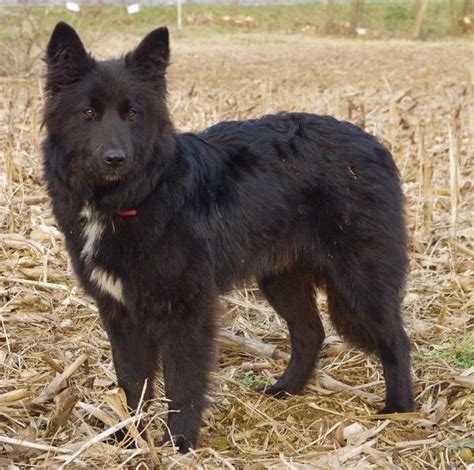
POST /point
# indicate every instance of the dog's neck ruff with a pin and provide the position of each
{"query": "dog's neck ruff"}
(127, 213)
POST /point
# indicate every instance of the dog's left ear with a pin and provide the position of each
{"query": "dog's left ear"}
(152, 55)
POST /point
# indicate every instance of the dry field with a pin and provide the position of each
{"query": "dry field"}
(57, 395)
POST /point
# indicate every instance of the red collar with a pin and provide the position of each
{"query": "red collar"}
(127, 213)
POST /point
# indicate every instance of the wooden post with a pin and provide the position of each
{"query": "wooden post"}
(420, 16)
(356, 15)
(330, 15)
(234, 8)
(454, 15)
(179, 14)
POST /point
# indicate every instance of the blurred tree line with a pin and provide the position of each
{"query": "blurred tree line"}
(461, 22)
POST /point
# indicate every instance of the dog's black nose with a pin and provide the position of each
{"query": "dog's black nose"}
(114, 158)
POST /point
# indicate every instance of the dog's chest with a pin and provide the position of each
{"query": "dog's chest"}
(98, 258)
(92, 230)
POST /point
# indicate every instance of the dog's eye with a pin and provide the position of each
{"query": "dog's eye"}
(89, 113)
(131, 113)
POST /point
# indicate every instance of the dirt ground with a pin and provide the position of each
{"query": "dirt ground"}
(57, 390)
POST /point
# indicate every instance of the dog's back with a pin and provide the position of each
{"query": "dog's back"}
(296, 188)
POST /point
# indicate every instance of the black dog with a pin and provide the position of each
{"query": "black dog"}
(158, 224)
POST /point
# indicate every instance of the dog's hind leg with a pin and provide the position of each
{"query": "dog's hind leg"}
(369, 318)
(292, 295)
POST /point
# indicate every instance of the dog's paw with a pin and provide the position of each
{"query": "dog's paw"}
(180, 442)
(277, 391)
(389, 409)
(123, 438)
(183, 445)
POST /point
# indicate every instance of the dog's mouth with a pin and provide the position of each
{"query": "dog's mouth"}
(113, 177)
(110, 177)
(106, 176)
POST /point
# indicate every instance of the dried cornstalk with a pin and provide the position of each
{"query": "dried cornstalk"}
(32, 445)
(99, 437)
(65, 403)
(13, 396)
(59, 382)
(453, 181)
(253, 346)
(394, 120)
(426, 179)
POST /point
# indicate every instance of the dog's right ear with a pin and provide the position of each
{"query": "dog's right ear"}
(66, 58)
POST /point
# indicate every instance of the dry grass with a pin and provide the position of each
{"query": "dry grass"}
(57, 397)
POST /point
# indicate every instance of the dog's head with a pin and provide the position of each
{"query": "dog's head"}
(105, 116)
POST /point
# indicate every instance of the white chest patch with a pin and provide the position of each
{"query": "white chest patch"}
(93, 229)
(108, 283)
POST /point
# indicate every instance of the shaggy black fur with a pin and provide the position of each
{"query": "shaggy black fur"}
(292, 200)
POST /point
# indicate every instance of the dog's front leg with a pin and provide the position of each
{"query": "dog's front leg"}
(188, 356)
(134, 351)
